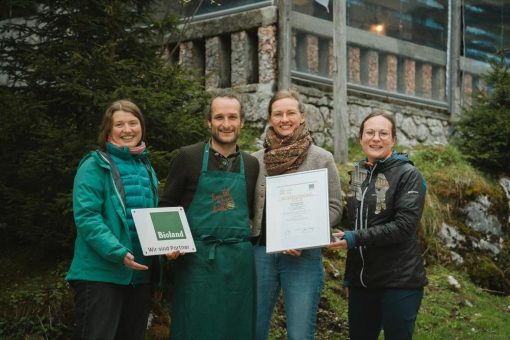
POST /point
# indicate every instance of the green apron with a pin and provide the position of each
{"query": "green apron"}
(213, 296)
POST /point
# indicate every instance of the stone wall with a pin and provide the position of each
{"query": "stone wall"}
(415, 125)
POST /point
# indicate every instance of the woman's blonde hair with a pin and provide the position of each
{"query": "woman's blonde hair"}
(287, 93)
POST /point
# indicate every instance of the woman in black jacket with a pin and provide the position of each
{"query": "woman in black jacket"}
(384, 275)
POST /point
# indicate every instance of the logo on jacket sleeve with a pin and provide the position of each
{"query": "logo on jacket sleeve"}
(358, 176)
(381, 186)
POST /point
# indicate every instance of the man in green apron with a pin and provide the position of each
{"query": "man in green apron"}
(213, 292)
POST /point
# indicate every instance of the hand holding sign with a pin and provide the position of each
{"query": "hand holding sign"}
(163, 231)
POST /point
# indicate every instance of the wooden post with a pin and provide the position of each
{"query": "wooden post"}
(340, 115)
(284, 43)
(453, 84)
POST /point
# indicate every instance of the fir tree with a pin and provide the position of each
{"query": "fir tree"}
(61, 69)
(484, 128)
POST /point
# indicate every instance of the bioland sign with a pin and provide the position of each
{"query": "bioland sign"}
(163, 230)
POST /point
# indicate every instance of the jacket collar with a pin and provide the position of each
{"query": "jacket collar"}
(394, 159)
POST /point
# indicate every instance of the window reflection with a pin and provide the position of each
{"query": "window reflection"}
(318, 8)
(16, 9)
(210, 6)
(486, 28)
(423, 22)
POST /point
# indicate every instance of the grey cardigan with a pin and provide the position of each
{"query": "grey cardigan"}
(317, 158)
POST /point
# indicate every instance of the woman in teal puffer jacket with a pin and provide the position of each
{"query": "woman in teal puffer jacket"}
(112, 280)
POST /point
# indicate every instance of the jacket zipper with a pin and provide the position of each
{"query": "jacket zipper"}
(115, 186)
(365, 225)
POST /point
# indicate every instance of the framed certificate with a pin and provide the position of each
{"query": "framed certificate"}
(297, 211)
(163, 230)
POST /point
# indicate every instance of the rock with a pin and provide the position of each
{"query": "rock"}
(453, 282)
(456, 258)
(505, 184)
(408, 127)
(319, 138)
(450, 236)
(422, 133)
(495, 248)
(314, 119)
(479, 219)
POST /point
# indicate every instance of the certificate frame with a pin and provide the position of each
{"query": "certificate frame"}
(297, 211)
(163, 230)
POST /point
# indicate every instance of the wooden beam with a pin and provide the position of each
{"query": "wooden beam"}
(454, 40)
(284, 44)
(340, 114)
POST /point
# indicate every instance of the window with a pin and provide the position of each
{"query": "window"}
(424, 22)
(486, 28)
(212, 6)
(16, 9)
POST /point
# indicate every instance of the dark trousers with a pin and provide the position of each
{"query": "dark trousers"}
(393, 310)
(108, 311)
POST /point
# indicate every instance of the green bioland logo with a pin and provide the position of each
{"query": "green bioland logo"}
(167, 225)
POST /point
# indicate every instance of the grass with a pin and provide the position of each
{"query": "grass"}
(446, 313)
(467, 313)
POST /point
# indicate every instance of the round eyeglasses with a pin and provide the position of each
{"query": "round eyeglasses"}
(383, 134)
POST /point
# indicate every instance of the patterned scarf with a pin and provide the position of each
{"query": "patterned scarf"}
(135, 150)
(286, 154)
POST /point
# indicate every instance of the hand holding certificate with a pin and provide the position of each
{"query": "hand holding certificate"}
(297, 211)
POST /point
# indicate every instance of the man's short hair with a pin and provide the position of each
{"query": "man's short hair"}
(225, 94)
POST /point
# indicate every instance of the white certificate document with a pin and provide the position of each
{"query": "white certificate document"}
(163, 230)
(297, 211)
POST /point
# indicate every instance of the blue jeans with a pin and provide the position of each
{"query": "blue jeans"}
(107, 311)
(300, 278)
(393, 310)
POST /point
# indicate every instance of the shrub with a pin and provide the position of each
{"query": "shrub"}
(484, 129)
(40, 308)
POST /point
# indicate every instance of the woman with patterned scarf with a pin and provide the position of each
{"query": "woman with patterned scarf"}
(298, 273)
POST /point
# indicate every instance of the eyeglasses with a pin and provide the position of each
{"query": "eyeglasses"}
(278, 115)
(383, 134)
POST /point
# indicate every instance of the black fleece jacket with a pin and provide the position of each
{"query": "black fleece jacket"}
(385, 204)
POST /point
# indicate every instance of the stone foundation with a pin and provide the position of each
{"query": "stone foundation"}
(415, 125)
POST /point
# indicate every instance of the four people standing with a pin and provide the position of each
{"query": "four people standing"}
(112, 280)
(299, 274)
(228, 289)
(213, 293)
(384, 272)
